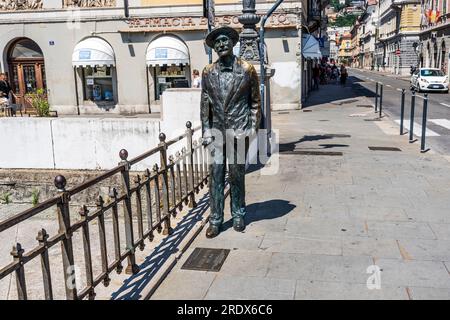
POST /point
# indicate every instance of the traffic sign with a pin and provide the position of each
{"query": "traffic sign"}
(397, 52)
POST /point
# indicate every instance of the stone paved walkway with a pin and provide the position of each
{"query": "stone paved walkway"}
(323, 225)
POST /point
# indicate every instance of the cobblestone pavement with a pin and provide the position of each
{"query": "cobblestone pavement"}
(364, 225)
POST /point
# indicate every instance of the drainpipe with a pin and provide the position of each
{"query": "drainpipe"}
(126, 12)
(300, 34)
(76, 89)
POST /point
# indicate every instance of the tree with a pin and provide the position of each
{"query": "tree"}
(346, 20)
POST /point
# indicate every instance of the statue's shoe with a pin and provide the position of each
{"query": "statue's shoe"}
(212, 231)
(238, 224)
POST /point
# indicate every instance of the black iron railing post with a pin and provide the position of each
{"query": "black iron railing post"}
(424, 123)
(402, 111)
(381, 100)
(190, 150)
(165, 183)
(42, 238)
(132, 267)
(17, 254)
(173, 186)
(87, 251)
(411, 117)
(138, 186)
(116, 233)
(376, 97)
(102, 237)
(66, 243)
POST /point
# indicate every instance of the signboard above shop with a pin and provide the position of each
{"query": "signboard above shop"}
(280, 20)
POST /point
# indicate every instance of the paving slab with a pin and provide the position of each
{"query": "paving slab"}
(420, 293)
(320, 267)
(399, 230)
(432, 274)
(191, 285)
(423, 249)
(284, 243)
(372, 247)
(227, 287)
(326, 290)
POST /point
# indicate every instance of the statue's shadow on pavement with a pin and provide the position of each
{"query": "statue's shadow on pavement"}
(133, 286)
(267, 210)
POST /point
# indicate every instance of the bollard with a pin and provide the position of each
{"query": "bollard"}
(376, 96)
(381, 99)
(402, 111)
(424, 123)
(411, 117)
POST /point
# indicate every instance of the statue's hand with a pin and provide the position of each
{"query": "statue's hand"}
(207, 141)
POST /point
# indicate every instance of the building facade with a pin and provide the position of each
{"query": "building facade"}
(368, 35)
(345, 49)
(399, 29)
(355, 33)
(435, 35)
(100, 57)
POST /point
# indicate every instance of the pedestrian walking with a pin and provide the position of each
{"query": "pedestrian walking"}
(344, 74)
(315, 77)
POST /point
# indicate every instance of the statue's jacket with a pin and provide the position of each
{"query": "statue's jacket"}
(239, 107)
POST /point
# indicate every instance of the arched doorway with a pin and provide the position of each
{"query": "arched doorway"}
(26, 68)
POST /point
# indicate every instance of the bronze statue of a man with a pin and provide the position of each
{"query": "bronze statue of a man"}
(230, 102)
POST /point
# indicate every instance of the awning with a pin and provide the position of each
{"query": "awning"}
(311, 48)
(167, 50)
(93, 52)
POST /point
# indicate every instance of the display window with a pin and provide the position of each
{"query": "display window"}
(174, 76)
(98, 83)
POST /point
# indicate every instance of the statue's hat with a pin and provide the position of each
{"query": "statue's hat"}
(224, 30)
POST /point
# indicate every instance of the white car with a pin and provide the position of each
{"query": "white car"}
(429, 79)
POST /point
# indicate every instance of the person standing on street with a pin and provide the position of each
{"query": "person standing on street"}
(5, 88)
(344, 74)
(5, 91)
(197, 80)
(315, 77)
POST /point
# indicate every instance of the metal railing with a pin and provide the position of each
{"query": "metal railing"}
(165, 189)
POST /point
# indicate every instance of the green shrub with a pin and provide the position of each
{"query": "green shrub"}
(5, 198)
(35, 197)
(39, 101)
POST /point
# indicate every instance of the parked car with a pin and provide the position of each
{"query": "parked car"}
(429, 79)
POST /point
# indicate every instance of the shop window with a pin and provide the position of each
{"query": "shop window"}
(98, 83)
(174, 76)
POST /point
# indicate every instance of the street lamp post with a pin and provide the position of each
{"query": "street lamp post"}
(249, 39)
